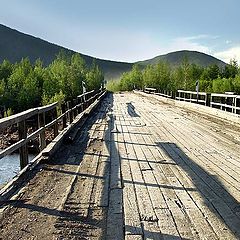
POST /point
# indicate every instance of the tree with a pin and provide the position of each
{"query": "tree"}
(94, 77)
(236, 84)
(222, 85)
(6, 69)
(231, 69)
(136, 77)
(213, 71)
(77, 74)
(24, 85)
(185, 70)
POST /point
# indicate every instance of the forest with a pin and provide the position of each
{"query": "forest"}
(163, 76)
(24, 85)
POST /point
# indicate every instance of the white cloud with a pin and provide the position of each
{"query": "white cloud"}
(229, 54)
(200, 36)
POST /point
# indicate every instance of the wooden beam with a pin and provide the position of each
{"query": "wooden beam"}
(23, 151)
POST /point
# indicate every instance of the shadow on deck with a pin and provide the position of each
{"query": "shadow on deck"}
(172, 150)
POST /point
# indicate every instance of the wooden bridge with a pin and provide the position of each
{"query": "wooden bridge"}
(138, 168)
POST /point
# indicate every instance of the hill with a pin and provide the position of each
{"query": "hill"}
(175, 59)
(15, 45)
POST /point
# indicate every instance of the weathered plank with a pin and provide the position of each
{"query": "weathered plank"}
(131, 213)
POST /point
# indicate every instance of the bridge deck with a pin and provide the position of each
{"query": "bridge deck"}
(139, 170)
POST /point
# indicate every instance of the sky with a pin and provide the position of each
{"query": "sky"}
(130, 30)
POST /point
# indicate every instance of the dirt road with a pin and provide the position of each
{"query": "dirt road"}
(139, 169)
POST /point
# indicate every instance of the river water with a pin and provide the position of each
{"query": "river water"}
(9, 167)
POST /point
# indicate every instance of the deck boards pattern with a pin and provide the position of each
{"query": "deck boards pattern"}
(140, 169)
(180, 177)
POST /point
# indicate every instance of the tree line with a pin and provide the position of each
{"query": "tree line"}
(163, 76)
(24, 85)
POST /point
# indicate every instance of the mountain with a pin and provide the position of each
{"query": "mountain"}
(15, 45)
(175, 59)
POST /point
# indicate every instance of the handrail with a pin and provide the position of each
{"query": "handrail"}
(8, 121)
(192, 92)
(47, 107)
(16, 118)
(69, 111)
(227, 102)
(191, 96)
(224, 95)
(87, 93)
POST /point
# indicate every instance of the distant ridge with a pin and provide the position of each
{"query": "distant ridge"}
(15, 45)
(175, 58)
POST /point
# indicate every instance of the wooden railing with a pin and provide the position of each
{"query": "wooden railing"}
(63, 115)
(193, 97)
(150, 90)
(165, 93)
(227, 102)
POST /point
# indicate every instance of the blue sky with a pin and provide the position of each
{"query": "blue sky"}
(130, 30)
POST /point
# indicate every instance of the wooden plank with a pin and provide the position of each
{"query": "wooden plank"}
(184, 197)
(146, 209)
(47, 107)
(132, 219)
(147, 214)
(199, 182)
(12, 148)
(133, 237)
(115, 214)
(64, 119)
(115, 210)
(180, 218)
(115, 181)
(16, 118)
(42, 137)
(23, 151)
(101, 185)
(207, 164)
(55, 126)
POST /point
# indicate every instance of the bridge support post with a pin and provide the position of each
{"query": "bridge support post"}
(23, 151)
(70, 114)
(75, 111)
(64, 121)
(42, 137)
(55, 126)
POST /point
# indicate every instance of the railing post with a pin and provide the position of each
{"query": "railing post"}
(208, 99)
(55, 126)
(78, 102)
(23, 151)
(64, 120)
(75, 112)
(84, 103)
(81, 101)
(70, 114)
(42, 137)
(235, 105)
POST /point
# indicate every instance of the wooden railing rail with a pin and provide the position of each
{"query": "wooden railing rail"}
(190, 96)
(165, 93)
(66, 111)
(227, 102)
(150, 90)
